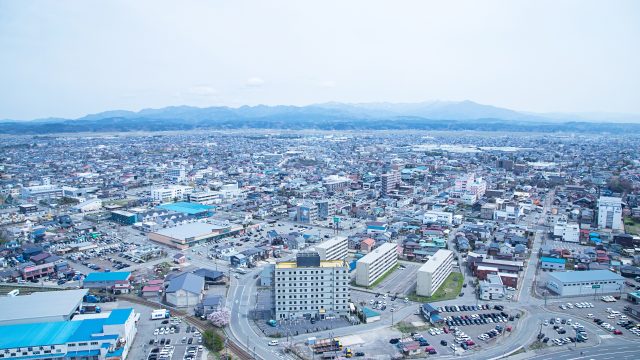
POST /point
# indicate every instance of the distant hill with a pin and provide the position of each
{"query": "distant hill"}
(436, 115)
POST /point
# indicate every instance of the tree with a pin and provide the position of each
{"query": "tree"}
(213, 341)
(220, 318)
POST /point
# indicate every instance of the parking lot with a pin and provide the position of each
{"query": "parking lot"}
(601, 314)
(380, 302)
(401, 281)
(455, 339)
(283, 328)
(483, 325)
(574, 247)
(150, 341)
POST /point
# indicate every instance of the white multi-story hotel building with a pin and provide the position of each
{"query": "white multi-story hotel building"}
(375, 264)
(311, 287)
(434, 272)
(333, 249)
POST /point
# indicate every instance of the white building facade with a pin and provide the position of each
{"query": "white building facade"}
(310, 287)
(434, 272)
(375, 264)
(610, 213)
(170, 192)
(333, 249)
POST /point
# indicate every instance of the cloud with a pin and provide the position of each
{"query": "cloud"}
(327, 84)
(254, 82)
(202, 90)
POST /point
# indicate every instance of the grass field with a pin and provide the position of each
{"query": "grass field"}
(375, 283)
(631, 226)
(447, 291)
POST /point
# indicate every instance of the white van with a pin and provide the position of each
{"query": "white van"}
(273, 342)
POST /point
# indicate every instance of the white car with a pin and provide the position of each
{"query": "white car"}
(590, 316)
(273, 342)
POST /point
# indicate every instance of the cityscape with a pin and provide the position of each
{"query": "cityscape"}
(328, 229)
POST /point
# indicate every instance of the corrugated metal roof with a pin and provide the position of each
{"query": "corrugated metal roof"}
(59, 332)
(188, 282)
(553, 260)
(107, 276)
(581, 276)
(20, 309)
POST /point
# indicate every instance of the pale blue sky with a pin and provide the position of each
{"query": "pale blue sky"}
(70, 58)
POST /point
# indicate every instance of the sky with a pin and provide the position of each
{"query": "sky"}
(71, 58)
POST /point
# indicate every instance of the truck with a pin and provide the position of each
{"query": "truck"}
(160, 314)
(325, 345)
(86, 309)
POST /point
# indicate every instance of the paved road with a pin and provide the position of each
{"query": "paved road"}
(607, 352)
(239, 297)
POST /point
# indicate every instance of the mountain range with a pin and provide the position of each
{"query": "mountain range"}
(435, 115)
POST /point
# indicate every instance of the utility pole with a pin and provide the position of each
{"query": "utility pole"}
(391, 316)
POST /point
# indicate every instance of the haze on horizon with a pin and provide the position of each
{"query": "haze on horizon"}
(71, 58)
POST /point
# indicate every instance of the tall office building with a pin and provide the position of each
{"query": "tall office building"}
(610, 213)
(310, 287)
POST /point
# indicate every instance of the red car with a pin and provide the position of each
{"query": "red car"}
(446, 331)
(617, 332)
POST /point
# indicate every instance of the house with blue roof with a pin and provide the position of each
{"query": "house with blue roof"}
(551, 263)
(116, 282)
(108, 337)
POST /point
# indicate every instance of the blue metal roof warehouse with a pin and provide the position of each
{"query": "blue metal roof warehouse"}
(60, 339)
(188, 208)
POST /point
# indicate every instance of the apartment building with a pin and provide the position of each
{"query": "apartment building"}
(333, 249)
(569, 232)
(610, 213)
(434, 272)
(440, 217)
(375, 264)
(311, 288)
(336, 183)
(389, 182)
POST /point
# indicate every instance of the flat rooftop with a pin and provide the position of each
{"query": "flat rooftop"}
(60, 332)
(332, 242)
(588, 275)
(189, 230)
(378, 252)
(436, 260)
(39, 305)
(187, 207)
(323, 264)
